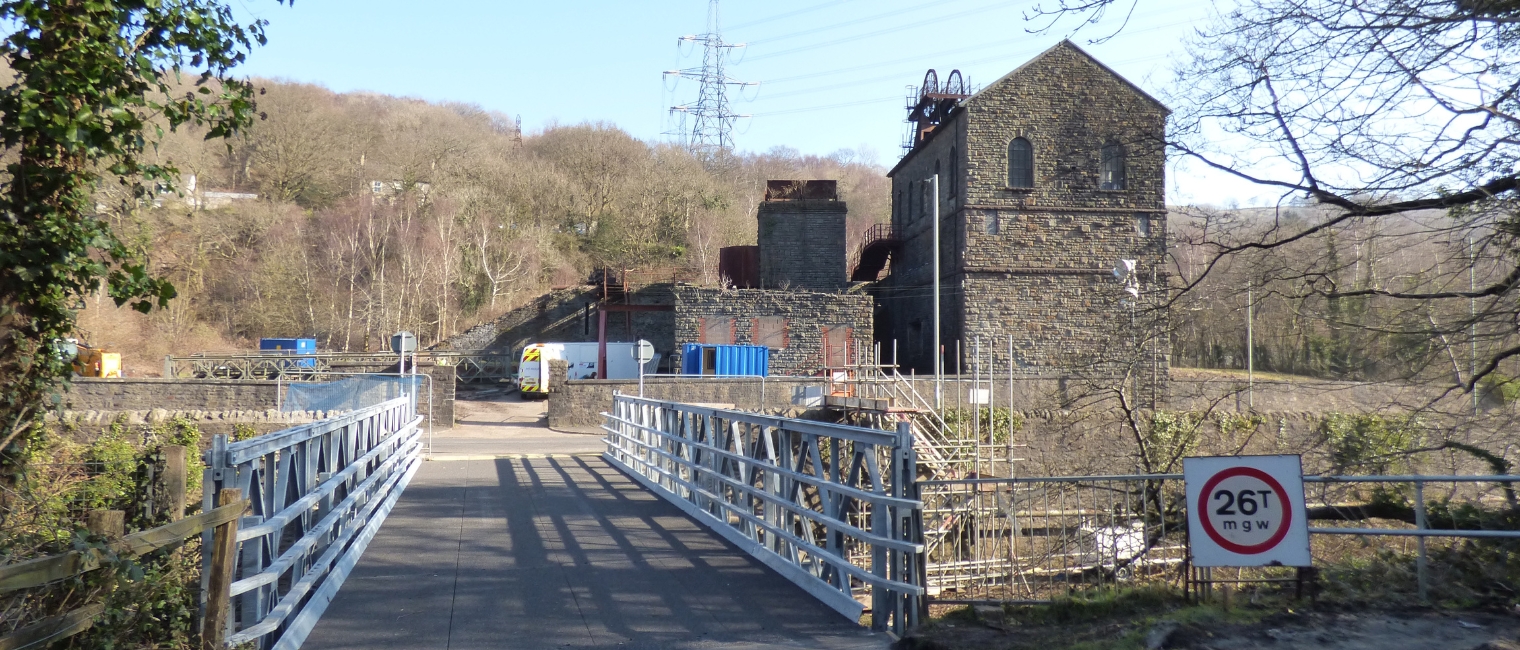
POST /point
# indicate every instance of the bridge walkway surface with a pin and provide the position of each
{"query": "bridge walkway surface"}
(516, 536)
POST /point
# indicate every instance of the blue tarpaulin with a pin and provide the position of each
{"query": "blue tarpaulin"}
(350, 394)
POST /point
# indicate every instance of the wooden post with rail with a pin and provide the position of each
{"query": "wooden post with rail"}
(172, 481)
(110, 524)
(223, 562)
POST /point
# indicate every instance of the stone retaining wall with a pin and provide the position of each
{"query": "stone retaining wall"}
(141, 400)
(578, 404)
(148, 393)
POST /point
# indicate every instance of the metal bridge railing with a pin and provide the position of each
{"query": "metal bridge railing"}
(319, 492)
(470, 366)
(832, 508)
(1029, 539)
(1032, 538)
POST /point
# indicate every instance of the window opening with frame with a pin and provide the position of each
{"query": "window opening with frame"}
(1111, 169)
(1020, 163)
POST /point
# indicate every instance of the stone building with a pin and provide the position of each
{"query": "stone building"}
(803, 309)
(1049, 177)
(805, 330)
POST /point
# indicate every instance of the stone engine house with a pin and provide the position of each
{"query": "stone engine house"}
(1048, 177)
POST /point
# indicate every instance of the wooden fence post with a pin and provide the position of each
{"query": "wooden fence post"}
(110, 524)
(172, 481)
(223, 561)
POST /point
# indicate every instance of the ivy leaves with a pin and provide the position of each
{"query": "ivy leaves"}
(97, 83)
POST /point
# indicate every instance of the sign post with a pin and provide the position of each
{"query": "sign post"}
(643, 352)
(1246, 511)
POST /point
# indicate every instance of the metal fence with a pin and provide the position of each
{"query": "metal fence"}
(469, 366)
(828, 506)
(319, 492)
(1029, 539)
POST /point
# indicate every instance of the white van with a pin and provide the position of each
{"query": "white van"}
(533, 367)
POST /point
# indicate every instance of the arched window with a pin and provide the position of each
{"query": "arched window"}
(1111, 170)
(1020, 163)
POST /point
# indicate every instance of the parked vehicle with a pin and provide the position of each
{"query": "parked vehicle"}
(533, 377)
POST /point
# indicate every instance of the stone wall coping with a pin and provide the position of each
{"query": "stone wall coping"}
(681, 379)
(178, 380)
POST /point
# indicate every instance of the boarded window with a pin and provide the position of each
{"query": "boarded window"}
(1143, 225)
(837, 344)
(770, 331)
(954, 172)
(717, 331)
(1020, 163)
(1111, 171)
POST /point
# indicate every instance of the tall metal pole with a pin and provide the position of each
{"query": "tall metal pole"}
(1010, 405)
(939, 346)
(1472, 320)
(976, 407)
(1250, 350)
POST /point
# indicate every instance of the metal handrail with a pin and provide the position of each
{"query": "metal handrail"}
(837, 528)
(953, 504)
(330, 482)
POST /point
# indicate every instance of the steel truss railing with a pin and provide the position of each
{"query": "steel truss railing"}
(1019, 539)
(470, 366)
(319, 492)
(830, 507)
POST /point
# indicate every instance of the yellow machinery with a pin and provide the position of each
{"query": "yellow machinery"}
(92, 362)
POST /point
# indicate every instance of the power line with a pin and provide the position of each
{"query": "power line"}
(889, 30)
(895, 98)
(882, 64)
(899, 97)
(712, 122)
(973, 48)
(852, 22)
(788, 14)
(870, 80)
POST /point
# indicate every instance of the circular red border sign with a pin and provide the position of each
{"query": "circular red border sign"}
(1282, 498)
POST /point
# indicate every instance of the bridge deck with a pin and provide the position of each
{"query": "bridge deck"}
(554, 551)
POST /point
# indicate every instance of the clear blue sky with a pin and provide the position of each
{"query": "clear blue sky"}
(832, 72)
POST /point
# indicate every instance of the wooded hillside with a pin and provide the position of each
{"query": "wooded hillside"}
(348, 217)
(376, 214)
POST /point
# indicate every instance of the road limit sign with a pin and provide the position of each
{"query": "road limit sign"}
(643, 351)
(1246, 511)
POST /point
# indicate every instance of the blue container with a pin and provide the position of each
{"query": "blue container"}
(725, 360)
(291, 346)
